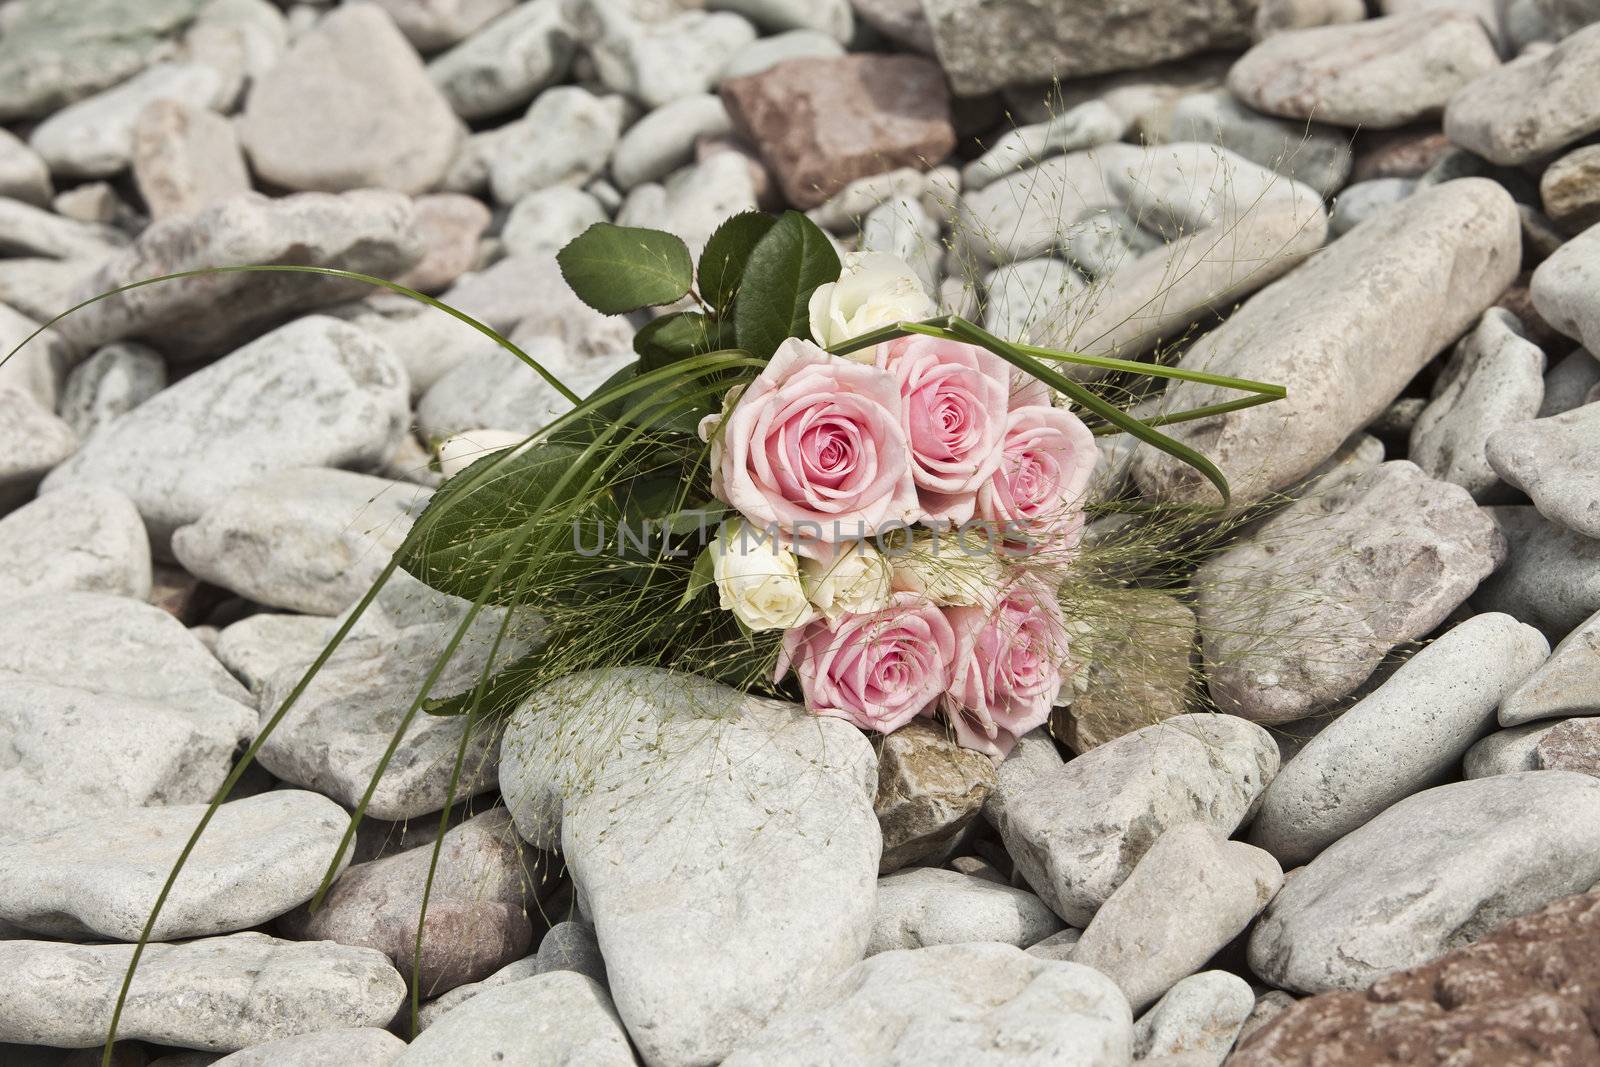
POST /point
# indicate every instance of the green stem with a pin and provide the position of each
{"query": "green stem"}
(1195, 413)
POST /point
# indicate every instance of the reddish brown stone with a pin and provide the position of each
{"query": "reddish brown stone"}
(1528, 995)
(1572, 746)
(821, 124)
(1404, 153)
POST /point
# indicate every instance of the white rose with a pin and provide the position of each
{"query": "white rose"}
(874, 289)
(952, 574)
(855, 581)
(758, 580)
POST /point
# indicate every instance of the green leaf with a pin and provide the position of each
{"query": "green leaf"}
(704, 574)
(678, 336)
(786, 266)
(723, 261)
(617, 269)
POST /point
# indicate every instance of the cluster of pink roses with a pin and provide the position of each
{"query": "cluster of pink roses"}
(826, 454)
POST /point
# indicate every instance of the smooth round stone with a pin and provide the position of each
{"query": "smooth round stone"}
(1553, 461)
(87, 538)
(663, 140)
(1568, 382)
(1359, 202)
(564, 139)
(928, 906)
(556, 1018)
(504, 64)
(364, 1046)
(768, 52)
(1565, 287)
(1552, 578)
(1506, 751)
(1567, 684)
(1533, 106)
(833, 18)
(1200, 1015)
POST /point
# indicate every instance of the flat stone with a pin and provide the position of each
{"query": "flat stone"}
(89, 539)
(186, 159)
(217, 994)
(706, 935)
(928, 906)
(1552, 460)
(307, 539)
(1300, 612)
(450, 226)
(99, 878)
(1085, 126)
(1568, 683)
(1338, 341)
(1493, 381)
(768, 52)
(1506, 751)
(541, 223)
(544, 1021)
(1199, 1016)
(1519, 997)
(929, 792)
(663, 141)
(820, 124)
(26, 230)
(257, 647)
(1573, 745)
(1536, 104)
(1315, 154)
(1382, 72)
(350, 106)
(662, 60)
(316, 392)
(435, 24)
(1569, 189)
(362, 1046)
(507, 62)
(1077, 829)
(564, 139)
(23, 175)
(695, 200)
(1189, 895)
(1432, 873)
(1564, 289)
(1137, 672)
(1552, 577)
(1408, 734)
(195, 318)
(977, 1003)
(984, 47)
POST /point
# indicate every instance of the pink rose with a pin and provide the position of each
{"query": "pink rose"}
(1009, 664)
(954, 412)
(879, 671)
(814, 446)
(1047, 458)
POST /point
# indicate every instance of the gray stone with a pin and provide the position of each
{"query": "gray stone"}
(333, 738)
(663, 140)
(1184, 187)
(368, 232)
(832, 17)
(94, 138)
(1057, 946)
(1269, 1006)
(929, 792)
(1568, 382)
(901, 21)
(706, 935)
(237, 37)
(984, 47)
(477, 919)
(1570, 745)
(435, 24)
(550, 1020)
(365, 1046)
(23, 175)
(306, 539)
(1346, 332)
(1275, 16)
(1409, 734)
(88, 539)
(695, 200)
(975, 1003)
(1553, 461)
(504, 64)
(32, 442)
(928, 906)
(1563, 17)
(1076, 830)
(1436, 871)
(541, 223)
(1311, 153)
(658, 62)
(1300, 612)
(1382, 72)
(218, 993)
(450, 225)
(257, 647)
(1085, 126)
(1199, 1016)
(317, 392)
(1568, 683)
(768, 52)
(1564, 288)
(565, 139)
(1506, 751)
(427, 342)
(26, 230)
(350, 107)
(109, 384)
(1361, 201)
(1189, 895)
(1023, 299)
(40, 287)
(1551, 578)
(567, 946)
(1536, 104)
(1493, 382)
(99, 878)
(842, 212)
(39, 361)
(515, 971)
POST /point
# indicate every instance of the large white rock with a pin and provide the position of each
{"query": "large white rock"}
(1407, 735)
(317, 392)
(1077, 829)
(1533, 106)
(1553, 461)
(1307, 151)
(564, 139)
(89, 539)
(99, 878)
(256, 647)
(724, 846)
(950, 1004)
(217, 994)
(550, 1020)
(1568, 683)
(1436, 871)
(111, 383)
(930, 906)
(362, 1046)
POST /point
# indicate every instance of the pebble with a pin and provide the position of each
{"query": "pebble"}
(88, 539)
(544, 1021)
(928, 906)
(975, 1003)
(185, 158)
(1382, 72)
(1552, 460)
(218, 993)
(99, 877)
(1199, 1016)
(316, 392)
(23, 175)
(768, 52)
(350, 106)
(306, 539)
(930, 790)
(1551, 579)
(1434, 872)
(360, 1046)
(542, 223)
(1185, 187)
(661, 61)
(567, 946)
(1410, 733)
(450, 225)
(1568, 683)
(1571, 745)
(842, 212)
(26, 230)
(1299, 613)
(432, 25)
(1028, 299)
(237, 36)
(1085, 126)
(492, 387)
(1275, 16)
(1565, 285)
(1493, 384)
(1325, 328)
(1359, 202)
(564, 139)
(258, 646)
(694, 201)
(663, 141)
(1191, 893)
(1533, 106)
(834, 18)
(1311, 153)
(506, 63)
(705, 936)
(32, 442)
(1570, 189)
(1505, 751)
(1077, 829)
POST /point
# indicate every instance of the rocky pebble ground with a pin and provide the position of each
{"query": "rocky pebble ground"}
(1332, 852)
